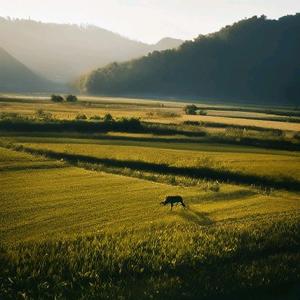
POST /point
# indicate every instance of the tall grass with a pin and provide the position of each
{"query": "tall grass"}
(159, 262)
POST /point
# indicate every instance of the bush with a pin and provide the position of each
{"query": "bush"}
(41, 114)
(191, 109)
(215, 187)
(202, 113)
(95, 117)
(192, 123)
(296, 136)
(57, 98)
(130, 124)
(81, 117)
(71, 98)
(9, 115)
(108, 118)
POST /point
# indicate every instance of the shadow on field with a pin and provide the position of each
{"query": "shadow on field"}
(193, 172)
(231, 196)
(197, 217)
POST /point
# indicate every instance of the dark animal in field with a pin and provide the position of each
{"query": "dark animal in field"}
(173, 200)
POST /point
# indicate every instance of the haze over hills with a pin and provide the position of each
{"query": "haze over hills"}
(254, 60)
(167, 43)
(16, 77)
(62, 52)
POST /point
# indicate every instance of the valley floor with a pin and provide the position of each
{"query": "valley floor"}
(81, 218)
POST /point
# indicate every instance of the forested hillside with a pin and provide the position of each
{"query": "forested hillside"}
(254, 60)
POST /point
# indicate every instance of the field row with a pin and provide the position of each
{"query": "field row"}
(156, 111)
(238, 159)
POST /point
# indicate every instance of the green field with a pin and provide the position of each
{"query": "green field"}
(81, 216)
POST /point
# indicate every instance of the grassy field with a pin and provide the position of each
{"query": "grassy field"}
(71, 215)
(81, 216)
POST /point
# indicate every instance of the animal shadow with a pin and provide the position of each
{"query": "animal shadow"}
(192, 215)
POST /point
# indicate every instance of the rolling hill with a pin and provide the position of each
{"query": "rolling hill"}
(62, 52)
(16, 77)
(254, 60)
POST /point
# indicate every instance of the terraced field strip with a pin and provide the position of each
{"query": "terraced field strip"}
(247, 160)
(270, 169)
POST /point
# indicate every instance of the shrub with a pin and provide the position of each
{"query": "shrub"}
(71, 98)
(41, 114)
(167, 114)
(192, 123)
(202, 113)
(57, 98)
(9, 115)
(81, 117)
(191, 109)
(215, 187)
(130, 124)
(108, 118)
(296, 136)
(95, 117)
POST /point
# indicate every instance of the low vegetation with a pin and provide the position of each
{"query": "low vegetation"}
(59, 98)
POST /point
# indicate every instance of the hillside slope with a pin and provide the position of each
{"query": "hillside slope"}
(16, 77)
(167, 43)
(253, 60)
(62, 52)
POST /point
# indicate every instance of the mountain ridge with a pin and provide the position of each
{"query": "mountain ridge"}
(62, 52)
(16, 77)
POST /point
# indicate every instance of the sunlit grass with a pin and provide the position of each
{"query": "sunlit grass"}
(235, 158)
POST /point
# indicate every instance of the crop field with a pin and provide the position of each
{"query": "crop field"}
(246, 160)
(149, 111)
(81, 216)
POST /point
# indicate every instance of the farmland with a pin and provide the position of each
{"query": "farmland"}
(151, 111)
(80, 214)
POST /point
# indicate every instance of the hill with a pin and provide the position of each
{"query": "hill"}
(16, 77)
(167, 43)
(253, 60)
(62, 52)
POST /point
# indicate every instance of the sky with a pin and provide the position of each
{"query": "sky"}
(149, 20)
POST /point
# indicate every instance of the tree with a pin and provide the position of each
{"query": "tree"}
(191, 109)
(108, 118)
(71, 98)
(57, 98)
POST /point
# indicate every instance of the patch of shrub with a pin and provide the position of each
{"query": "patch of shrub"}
(81, 117)
(9, 115)
(215, 187)
(202, 112)
(71, 98)
(42, 115)
(191, 109)
(108, 118)
(95, 117)
(192, 123)
(57, 98)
